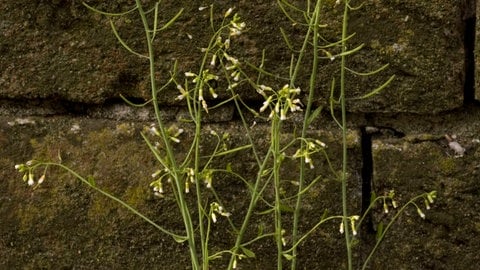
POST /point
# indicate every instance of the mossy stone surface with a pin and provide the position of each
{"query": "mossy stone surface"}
(64, 224)
(64, 51)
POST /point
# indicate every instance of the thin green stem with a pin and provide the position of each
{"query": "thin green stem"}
(344, 136)
(168, 148)
(254, 197)
(311, 92)
(277, 160)
(380, 238)
(92, 185)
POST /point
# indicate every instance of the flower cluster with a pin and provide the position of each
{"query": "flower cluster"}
(352, 219)
(282, 100)
(218, 50)
(28, 175)
(173, 132)
(236, 26)
(428, 199)
(217, 208)
(157, 185)
(312, 146)
(160, 175)
(389, 196)
(202, 80)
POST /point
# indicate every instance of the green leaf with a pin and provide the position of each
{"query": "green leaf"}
(373, 197)
(247, 252)
(285, 38)
(214, 257)
(179, 239)
(379, 231)
(260, 229)
(115, 32)
(265, 212)
(376, 91)
(107, 13)
(172, 20)
(286, 208)
(91, 181)
(314, 115)
(288, 256)
(325, 214)
(229, 167)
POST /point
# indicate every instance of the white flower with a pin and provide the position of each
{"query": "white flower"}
(30, 179)
(213, 61)
(422, 215)
(187, 187)
(352, 223)
(394, 204)
(322, 144)
(283, 115)
(228, 12)
(233, 60)
(155, 174)
(154, 131)
(214, 217)
(204, 105)
(265, 104)
(177, 140)
(41, 179)
(227, 43)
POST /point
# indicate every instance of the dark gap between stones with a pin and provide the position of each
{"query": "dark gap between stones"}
(367, 175)
(469, 18)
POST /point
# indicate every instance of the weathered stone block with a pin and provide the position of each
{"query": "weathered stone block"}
(62, 50)
(411, 167)
(62, 223)
(422, 41)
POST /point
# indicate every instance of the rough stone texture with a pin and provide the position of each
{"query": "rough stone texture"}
(61, 74)
(425, 164)
(422, 43)
(63, 224)
(477, 54)
(61, 50)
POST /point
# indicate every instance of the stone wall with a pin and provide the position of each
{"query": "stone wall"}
(61, 75)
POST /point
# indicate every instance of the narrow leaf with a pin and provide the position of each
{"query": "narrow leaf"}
(107, 13)
(179, 239)
(114, 29)
(247, 252)
(376, 91)
(91, 181)
(172, 20)
(314, 115)
(379, 231)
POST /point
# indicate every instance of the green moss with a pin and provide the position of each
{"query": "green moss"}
(447, 165)
(135, 195)
(97, 208)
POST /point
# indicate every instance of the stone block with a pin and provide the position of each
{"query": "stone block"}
(411, 167)
(64, 51)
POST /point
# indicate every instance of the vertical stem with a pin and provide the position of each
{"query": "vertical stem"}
(182, 203)
(201, 211)
(344, 136)
(277, 160)
(311, 93)
(255, 195)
